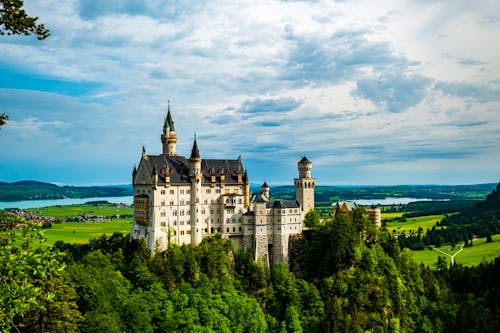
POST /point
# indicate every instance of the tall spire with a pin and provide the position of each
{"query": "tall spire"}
(195, 153)
(169, 121)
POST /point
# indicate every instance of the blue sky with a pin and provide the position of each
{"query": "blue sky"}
(372, 92)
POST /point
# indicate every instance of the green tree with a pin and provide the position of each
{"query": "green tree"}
(15, 21)
(311, 219)
(33, 290)
(3, 119)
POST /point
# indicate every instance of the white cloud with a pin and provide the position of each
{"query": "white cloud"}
(361, 85)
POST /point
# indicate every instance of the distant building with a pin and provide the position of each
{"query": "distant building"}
(183, 200)
(373, 212)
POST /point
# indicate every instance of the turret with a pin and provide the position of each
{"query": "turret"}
(265, 191)
(304, 167)
(304, 185)
(195, 178)
(168, 137)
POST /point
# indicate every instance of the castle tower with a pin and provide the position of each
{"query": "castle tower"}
(246, 190)
(195, 178)
(304, 185)
(265, 191)
(168, 137)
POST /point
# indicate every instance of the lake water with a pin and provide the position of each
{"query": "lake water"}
(389, 201)
(62, 202)
(128, 200)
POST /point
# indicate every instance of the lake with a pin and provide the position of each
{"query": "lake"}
(62, 202)
(129, 199)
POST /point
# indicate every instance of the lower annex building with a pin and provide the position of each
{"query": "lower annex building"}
(183, 200)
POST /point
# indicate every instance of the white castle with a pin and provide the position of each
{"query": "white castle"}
(183, 200)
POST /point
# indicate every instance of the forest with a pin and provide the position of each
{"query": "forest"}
(347, 276)
(33, 190)
(480, 220)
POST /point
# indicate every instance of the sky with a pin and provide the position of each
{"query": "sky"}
(372, 92)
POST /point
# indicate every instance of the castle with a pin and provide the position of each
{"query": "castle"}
(183, 200)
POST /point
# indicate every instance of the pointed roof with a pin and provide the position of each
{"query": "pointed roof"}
(195, 152)
(169, 121)
(304, 160)
(265, 185)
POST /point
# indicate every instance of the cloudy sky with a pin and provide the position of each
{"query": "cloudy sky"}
(372, 92)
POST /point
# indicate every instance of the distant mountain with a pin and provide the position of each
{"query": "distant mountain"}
(34, 190)
(325, 195)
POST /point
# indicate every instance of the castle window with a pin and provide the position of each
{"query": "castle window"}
(162, 191)
(181, 192)
(234, 229)
(172, 192)
(212, 230)
(205, 202)
(182, 213)
(163, 203)
(188, 222)
(175, 232)
(162, 224)
(240, 229)
(239, 200)
(181, 223)
(189, 232)
(227, 220)
(175, 213)
(218, 229)
(181, 202)
(217, 190)
(175, 222)
(203, 210)
(227, 229)
(208, 191)
(162, 214)
(171, 202)
(188, 191)
(188, 202)
(206, 230)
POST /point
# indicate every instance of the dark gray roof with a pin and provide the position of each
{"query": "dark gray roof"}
(304, 160)
(177, 167)
(195, 152)
(282, 204)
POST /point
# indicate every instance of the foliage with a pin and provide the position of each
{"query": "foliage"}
(15, 21)
(34, 292)
(311, 219)
(9, 221)
(32, 190)
(3, 119)
(352, 278)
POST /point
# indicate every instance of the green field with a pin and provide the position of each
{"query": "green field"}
(413, 223)
(84, 209)
(470, 256)
(75, 232)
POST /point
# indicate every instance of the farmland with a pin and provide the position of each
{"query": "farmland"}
(77, 232)
(470, 256)
(412, 224)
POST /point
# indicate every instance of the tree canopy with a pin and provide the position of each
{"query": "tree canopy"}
(15, 21)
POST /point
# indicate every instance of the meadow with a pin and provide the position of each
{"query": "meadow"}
(412, 223)
(81, 210)
(82, 232)
(470, 256)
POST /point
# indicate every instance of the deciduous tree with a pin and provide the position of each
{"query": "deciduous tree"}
(15, 21)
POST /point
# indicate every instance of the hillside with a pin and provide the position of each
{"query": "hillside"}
(328, 194)
(33, 190)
